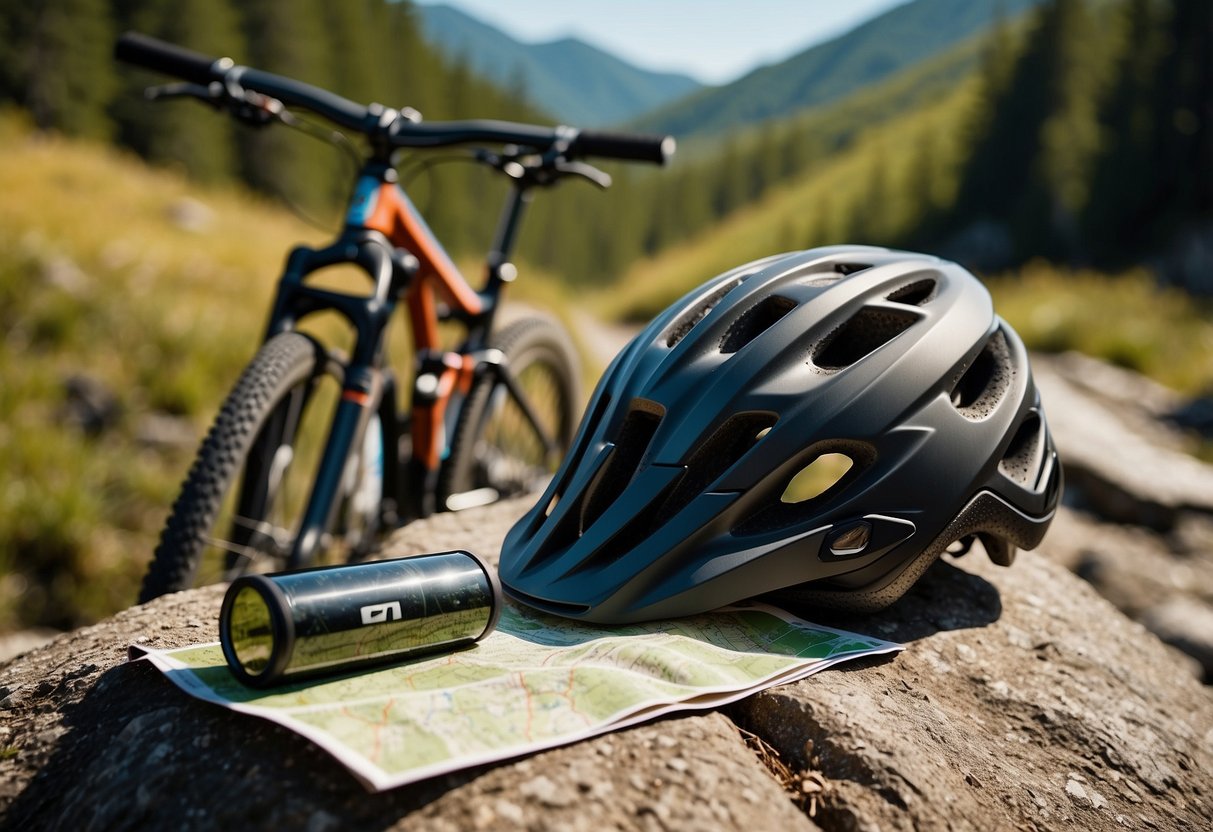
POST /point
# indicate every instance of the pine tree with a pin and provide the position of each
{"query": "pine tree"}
(355, 51)
(1154, 179)
(182, 132)
(289, 37)
(923, 187)
(1070, 134)
(61, 65)
(1184, 111)
(1126, 174)
(732, 180)
(872, 220)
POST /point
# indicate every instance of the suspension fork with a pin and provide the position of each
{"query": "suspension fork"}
(362, 389)
(364, 382)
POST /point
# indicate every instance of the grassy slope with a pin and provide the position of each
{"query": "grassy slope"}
(97, 280)
(811, 210)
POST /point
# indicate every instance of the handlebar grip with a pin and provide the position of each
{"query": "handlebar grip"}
(634, 147)
(151, 53)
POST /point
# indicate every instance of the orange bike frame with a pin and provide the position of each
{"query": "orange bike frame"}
(388, 210)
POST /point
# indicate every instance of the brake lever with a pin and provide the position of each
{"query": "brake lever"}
(207, 95)
(254, 108)
(599, 178)
(249, 107)
(542, 173)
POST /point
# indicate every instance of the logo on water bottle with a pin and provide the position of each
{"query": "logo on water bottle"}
(379, 613)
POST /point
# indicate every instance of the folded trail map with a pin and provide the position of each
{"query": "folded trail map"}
(537, 682)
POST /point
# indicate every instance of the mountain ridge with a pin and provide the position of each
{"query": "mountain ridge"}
(566, 77)
(869, 53)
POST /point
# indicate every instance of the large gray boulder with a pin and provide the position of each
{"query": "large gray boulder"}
(1124, 460)
(1023, 700)
(1142, 533)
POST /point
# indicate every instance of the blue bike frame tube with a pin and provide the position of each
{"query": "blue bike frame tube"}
(363, 386)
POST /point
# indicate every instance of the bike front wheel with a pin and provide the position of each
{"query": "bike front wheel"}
(242, 501)
(495, 450)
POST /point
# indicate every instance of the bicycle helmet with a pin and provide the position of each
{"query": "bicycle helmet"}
(675, 497)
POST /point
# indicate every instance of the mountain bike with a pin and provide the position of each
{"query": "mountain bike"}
(311, 457)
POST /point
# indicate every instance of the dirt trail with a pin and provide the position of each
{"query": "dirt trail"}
(603, 338)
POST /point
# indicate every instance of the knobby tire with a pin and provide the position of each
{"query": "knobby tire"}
(283, 364)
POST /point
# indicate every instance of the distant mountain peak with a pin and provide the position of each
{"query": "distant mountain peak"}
(574, 81)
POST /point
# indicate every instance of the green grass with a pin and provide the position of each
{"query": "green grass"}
(1126, 319)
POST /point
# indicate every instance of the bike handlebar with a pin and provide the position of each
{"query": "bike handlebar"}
(634, 147)
(152, 53)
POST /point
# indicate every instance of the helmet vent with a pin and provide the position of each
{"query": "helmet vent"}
(867, 330)
(633, 440)
(915, 294)
(846, 269)
(754, 321)
(833, 467)
(982, 385)
(1024, 455)
(698, 312)
(818, 477)
(724, 448)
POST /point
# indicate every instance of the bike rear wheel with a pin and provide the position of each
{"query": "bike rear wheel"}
(495, 452)
(241, 503)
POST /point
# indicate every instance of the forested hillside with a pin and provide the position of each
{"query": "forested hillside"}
(1093, 144)
(55, 59)
(1110, 170)
(1089, 142)
(1085, 138)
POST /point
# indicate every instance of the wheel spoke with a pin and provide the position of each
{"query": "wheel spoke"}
(515, 425)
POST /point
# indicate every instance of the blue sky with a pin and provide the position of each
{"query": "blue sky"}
(712, 40)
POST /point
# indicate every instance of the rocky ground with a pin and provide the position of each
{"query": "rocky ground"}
(1140, 522)
(1024, 699)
